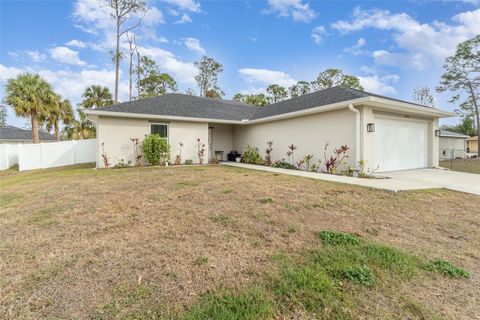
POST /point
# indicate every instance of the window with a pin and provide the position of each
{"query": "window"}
(160, 129)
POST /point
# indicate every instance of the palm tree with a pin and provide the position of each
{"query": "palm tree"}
(96, 96)
(30, 96)
(61, 110)
(79, 129)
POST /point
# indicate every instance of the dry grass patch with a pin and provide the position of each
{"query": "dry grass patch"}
(81, 243)
(464, 165)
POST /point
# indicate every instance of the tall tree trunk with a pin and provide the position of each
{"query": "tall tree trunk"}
(57, 131)
(138, 74)
(117, 63)
(34, 120)
(477, 115)
(131, 73)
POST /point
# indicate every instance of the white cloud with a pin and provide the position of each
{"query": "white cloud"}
(153, 17)
(318, 33)
(76, 44)
(185, 18)
(265, 76)
(421, 44)
(194, 45)
(94, 19)
(357, 48)
(71, 84)
(36, 56)
(295, 9)
(9, 72)
(183, 72)
(380, 84)
(187, 5)
(66, 55)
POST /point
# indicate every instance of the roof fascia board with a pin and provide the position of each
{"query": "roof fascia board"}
(156, 116)
(328, 107)
(411, 108)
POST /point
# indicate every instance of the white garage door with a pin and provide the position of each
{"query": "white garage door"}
(400, 144)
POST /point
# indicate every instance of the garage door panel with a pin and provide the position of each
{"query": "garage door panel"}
(400, 144)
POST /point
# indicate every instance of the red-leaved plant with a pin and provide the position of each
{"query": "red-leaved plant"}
(178, 158)
(291, 148)
(201, 151)
(106, 162)
(136, 153)
(339, 154)
(269, 150)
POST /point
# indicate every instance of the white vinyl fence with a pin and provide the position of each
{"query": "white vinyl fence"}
(8, 155)
(47, 155)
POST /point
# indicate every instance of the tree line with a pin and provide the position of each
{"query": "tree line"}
(276, 93)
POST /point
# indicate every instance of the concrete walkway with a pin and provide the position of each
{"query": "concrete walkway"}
(397, 180)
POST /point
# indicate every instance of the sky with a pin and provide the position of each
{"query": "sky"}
(392, 46)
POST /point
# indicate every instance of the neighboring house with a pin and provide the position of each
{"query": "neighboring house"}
(14, 135)
(472, 145)
(452, 144)
(383, 132)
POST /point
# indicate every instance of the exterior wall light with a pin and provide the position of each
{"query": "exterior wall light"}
(371, 127)
(437, 133)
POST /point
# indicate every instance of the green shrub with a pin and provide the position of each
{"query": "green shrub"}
(188, 162)
(448, 269)
(283, 164)
(156, 149)
(251, 155)
(361, 275)
(337, 238)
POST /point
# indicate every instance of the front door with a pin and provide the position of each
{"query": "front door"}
(211, 155)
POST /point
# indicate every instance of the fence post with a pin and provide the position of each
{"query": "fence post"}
(451, 159)
(41, 155)
(74, 147)
(8, 156)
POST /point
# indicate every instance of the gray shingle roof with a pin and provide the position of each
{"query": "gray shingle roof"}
(174, 104)
(182, 105)
(445, 133)
(13, 133)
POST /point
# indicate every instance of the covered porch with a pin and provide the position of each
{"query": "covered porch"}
(220, 141)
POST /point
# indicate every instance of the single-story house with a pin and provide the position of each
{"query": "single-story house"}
(14, 135)
(472, 145)
(452, 144)
(387, 134)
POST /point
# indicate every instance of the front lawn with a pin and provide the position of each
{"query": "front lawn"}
(464, 165)
(218, 242)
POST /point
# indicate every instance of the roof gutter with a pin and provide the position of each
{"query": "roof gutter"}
(357, 133)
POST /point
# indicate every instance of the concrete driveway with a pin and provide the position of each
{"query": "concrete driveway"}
(398, 180)
(436, 178)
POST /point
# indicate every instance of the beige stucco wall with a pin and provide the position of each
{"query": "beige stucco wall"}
(188, 133)
(115, 133)
(449, 143)
(309, 133)
(473, 146)
(222, 138)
